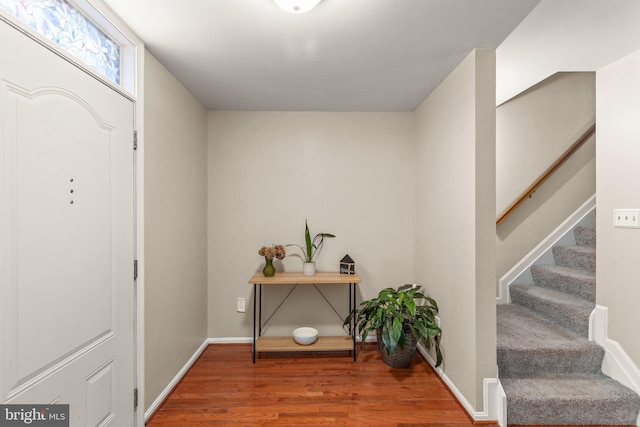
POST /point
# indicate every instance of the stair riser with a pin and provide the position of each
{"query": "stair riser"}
(582, 288)
(573, 318)
(521, 363)
(575, 258)
(540, 412)
(585, 236)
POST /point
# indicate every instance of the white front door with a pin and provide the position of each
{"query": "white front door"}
(66, 237)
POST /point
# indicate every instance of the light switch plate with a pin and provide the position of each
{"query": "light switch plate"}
(626, 218)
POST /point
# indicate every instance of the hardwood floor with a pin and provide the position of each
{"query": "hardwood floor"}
(224, 388)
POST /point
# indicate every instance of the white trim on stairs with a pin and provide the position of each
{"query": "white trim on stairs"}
(544, 246)
(616, 363)
(494, 397)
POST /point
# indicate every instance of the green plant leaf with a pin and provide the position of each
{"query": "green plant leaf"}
(307, 239)
(411, 306)
(432, 302)
(387, 339)
(363, 336)
(304, 257)
(438, 352)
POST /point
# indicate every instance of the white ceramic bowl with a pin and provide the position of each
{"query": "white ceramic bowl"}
(305, 335)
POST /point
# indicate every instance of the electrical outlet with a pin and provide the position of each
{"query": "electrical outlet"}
(626, 218)
(242, 305)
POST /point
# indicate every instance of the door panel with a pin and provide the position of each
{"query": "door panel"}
(66, 237)
(63, 197)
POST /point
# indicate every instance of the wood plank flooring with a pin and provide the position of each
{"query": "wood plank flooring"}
(224, 388)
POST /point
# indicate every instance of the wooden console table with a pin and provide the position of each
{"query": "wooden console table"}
(286, 344)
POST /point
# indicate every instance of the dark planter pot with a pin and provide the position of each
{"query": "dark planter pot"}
(403, 356)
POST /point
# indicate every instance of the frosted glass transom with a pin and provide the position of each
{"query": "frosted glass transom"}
(62, 23)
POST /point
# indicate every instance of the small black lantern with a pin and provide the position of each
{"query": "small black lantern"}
(347, 266)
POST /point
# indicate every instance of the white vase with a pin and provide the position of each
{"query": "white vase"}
(309, 268)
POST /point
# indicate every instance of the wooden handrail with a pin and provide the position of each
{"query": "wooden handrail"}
(546, 174)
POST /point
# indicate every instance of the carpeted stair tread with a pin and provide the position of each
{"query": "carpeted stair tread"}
(528, 343)
(578, 257)
(570, 399)
(569, 312)
(550, 372)
(579, 284)
(585, 236)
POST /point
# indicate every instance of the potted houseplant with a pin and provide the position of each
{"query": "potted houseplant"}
(310, 249)
(401, 318)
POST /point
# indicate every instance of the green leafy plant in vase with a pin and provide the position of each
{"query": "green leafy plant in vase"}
(400, 318)
(311, 248)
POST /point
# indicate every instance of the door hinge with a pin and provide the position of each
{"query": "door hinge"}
(135, 139)
(135, 269)
(135, 398)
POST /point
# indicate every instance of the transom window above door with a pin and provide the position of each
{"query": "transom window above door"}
(73, 32)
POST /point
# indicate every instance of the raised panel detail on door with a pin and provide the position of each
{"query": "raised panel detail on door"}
(66, 237)
(63, 222)
(99, 390)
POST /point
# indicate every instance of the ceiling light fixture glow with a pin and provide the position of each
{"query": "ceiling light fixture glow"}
(297, 6)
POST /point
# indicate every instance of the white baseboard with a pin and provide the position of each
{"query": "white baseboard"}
(167, 390)
(495, 400)
(230, 340)
(501, 405)
(249, 340)
(544, 246)
(616, 363)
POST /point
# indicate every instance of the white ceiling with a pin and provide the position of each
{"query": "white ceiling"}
(345, 55)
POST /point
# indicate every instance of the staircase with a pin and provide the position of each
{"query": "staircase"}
(550, 371)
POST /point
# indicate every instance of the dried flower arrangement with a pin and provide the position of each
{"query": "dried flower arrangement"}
(271, 252)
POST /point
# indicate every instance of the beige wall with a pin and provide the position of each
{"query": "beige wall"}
(568, 35)
(364, 177)
(175, 227)
(532, 131)
(618, 181)
(349, 174)
(455, 205)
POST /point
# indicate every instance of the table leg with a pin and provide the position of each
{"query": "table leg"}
(350, 307)
(255, 297)
(260, 312)
(352, 326)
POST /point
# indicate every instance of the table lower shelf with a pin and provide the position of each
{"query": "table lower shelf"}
(281, 344)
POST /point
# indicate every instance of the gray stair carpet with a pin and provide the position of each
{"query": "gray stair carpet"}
(550, 371)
